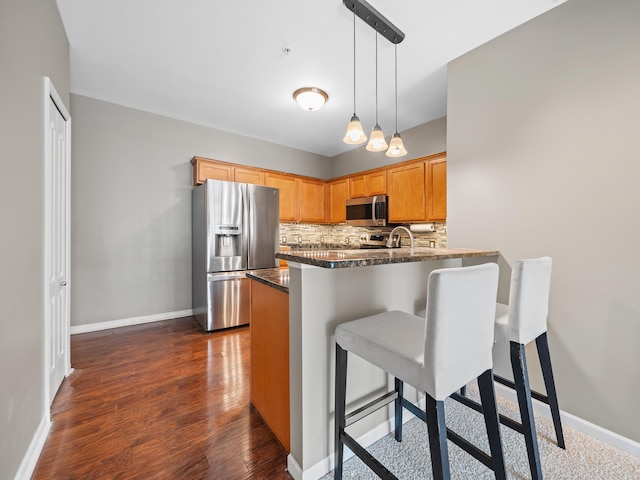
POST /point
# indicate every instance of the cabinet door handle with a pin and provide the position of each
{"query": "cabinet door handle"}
(63, 284)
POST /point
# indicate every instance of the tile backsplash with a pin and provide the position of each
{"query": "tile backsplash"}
(304, 235)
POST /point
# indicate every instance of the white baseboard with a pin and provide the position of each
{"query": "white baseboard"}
(588, 428)
(126, 322)
(30, 459)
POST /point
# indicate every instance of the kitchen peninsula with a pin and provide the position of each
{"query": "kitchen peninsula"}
(327, 288)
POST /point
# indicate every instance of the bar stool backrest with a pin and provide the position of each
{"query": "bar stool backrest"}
(529, 299)
(461, 306)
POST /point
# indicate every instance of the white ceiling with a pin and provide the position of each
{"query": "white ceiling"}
(221, 63)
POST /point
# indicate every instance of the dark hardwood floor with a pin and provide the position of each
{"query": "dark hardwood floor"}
(159, 401)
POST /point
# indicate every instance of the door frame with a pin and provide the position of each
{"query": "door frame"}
(51, 93)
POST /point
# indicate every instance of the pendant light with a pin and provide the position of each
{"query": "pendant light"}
(355, 134)
(377, 142)
(396, 145)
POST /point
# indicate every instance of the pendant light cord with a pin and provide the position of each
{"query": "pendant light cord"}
(376, 74)
(395, 46)
(354, 60)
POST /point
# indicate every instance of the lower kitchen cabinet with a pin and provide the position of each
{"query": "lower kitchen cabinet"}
(270, 358)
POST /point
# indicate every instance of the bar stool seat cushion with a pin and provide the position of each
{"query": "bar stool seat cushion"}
(391, 340)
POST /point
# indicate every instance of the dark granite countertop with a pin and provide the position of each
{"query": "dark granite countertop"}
(274, 277)
(383, 256)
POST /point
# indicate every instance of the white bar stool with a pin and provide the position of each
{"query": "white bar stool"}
(426, 354)
(520, 322)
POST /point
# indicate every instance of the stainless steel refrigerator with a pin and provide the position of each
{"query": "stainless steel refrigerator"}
(235, 228)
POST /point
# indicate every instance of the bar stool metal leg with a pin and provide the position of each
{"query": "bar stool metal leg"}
(339, 420)
(523, 391)
(547, 373)
(399, 384)
(437, 430)
(492, 423)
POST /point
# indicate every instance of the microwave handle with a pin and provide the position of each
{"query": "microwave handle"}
(373, 208)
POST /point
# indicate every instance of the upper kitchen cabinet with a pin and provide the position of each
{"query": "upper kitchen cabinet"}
(203, 169)
(312, 200)
(302, 199)
(406, 190)
(437, 189)
(288, 186)
(337, 195)
(368, 184)
(248, 175)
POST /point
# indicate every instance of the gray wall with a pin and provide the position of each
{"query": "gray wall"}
(131, 205)
(544, 159)
(33, 44)
(420, 141)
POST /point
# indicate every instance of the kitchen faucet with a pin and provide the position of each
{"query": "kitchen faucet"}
(390, 241)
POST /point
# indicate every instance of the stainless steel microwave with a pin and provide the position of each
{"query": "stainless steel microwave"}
(367, 211)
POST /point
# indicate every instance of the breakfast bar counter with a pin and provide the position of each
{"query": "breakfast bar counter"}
(329, 287)
(379, 256)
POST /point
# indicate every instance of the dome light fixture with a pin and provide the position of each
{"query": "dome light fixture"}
(310, 98)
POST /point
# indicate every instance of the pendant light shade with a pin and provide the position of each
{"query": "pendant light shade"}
(377, 142)
(396, 145)
(355, 134)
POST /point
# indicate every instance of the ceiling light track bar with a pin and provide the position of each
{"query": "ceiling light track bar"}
(375, 20)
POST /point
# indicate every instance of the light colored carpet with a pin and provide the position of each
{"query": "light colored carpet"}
(585, 458)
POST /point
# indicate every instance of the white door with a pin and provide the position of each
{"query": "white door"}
(57, 229)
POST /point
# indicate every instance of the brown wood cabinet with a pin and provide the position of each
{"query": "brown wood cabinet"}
(368, 184)
(417, 189)
(357, 186)
(406, 189)
(312, 201)
(270, 358)
(248, 175)
(337, 195)
(436, 183)
(288, 185)
(204, 169)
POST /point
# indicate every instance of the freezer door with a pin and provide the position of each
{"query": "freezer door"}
(228, 301)
(264, 226)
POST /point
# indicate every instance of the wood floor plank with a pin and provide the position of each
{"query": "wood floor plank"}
(162, 401)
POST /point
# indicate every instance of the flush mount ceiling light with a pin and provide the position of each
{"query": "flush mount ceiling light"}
(384, 27)
(310, 98)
